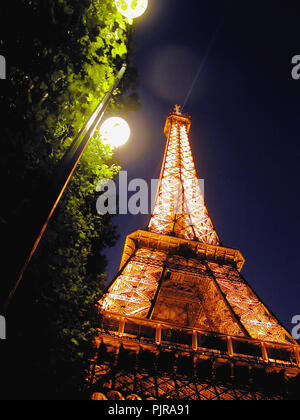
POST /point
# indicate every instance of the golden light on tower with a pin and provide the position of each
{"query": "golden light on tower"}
(115, 131)
(132, 9)
(179, 321)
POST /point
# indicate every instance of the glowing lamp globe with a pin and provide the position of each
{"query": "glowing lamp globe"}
(131, 8)
(115, 131)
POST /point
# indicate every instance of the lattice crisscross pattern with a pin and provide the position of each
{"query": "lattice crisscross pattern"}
(180, 209)
(253, 314)
(163, 386)
(133, 291)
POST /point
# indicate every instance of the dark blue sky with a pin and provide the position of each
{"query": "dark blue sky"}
(245, 128)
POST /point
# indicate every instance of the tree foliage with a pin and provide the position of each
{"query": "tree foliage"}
(62, 58)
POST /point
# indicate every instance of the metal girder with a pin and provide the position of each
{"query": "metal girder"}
(134, 290)
(118, 384)
(254, 315)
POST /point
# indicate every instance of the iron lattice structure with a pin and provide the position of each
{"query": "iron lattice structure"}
(180, 209)
(180, 321)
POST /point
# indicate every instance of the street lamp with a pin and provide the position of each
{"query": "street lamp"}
(115, 131)
(132, 8)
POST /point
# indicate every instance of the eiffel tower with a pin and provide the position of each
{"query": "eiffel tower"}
(179, 321)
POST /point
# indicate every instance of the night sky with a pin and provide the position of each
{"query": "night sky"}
(245, 128)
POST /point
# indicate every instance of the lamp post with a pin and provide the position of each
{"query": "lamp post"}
(67, 168)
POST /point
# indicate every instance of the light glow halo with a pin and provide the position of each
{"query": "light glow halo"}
(115, 131)
(132, 8)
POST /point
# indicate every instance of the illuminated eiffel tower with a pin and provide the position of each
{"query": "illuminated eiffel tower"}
(179, 321)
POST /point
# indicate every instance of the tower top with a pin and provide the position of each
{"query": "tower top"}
(177, 109)
(176, 117)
